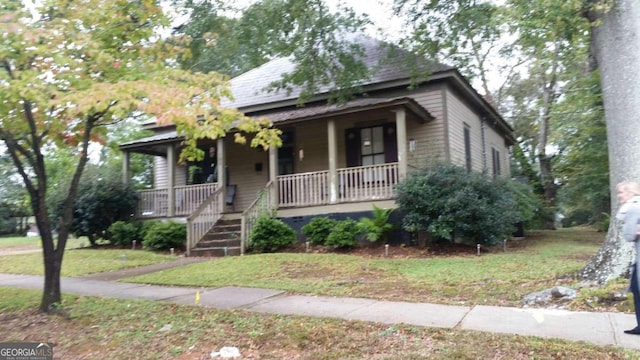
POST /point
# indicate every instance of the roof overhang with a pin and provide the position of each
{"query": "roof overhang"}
(157, 145)
(313, 112)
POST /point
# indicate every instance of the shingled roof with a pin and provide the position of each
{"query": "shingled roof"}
(387, 63)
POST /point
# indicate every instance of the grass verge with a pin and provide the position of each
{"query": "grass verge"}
(545, 259)
(82, 261)
(32, 242)
(125, 329)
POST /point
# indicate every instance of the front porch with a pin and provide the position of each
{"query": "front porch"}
(330, 155)
(354, 184)
(205, 205)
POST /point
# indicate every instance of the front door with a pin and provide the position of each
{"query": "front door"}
(205, 170)
(286, 154)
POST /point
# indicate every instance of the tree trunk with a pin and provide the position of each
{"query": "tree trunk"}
(549, 186)
(616, 51)
(52, 265)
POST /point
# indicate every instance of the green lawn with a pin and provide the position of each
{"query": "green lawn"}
(78, 262)
(544, 260)
(164, 331)
(98, 328)
(34, 242)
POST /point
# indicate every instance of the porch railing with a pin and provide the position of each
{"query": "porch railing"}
(203, 219)
(189, 197)
(155, 203)
(304, 189)
(363, 183)
(262, 205)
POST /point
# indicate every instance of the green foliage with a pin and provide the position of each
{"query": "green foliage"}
(102, 199)
(7, 222)
(162, 235)
(376, 228)
(450, 203)
(318, 229)
(463, 32)
(583, 169)
(529, 206)
(122, 233)
(270, 235)
(344, 235)
(307, 31)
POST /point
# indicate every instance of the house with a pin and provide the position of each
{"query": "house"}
(336, 160)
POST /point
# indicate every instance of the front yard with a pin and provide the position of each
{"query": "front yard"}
(127, 329)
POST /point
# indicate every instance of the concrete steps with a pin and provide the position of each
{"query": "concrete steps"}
(222, 240)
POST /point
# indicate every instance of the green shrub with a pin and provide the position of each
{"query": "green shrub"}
(101, 201)
(122, 233)
(270, 235)
(164, 235)
(344, 235)
(318, 229)
(376, 228)
(450, 203)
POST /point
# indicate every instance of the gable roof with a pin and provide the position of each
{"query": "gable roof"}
(391, 67)
(387, 64)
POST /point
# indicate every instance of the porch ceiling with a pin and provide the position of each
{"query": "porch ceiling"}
(157, 144)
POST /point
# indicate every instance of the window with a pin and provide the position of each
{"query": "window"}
(495, 159)
(372, 146)
(467, 147)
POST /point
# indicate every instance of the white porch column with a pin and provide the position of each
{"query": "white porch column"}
(220, 161)
(333, 161)
(171, 175)
(126, 160)
(222, 172)
(273, 173)
(401, 137)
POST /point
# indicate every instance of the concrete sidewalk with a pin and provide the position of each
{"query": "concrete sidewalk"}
(596, 328)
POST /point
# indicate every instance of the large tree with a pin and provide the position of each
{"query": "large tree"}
(68, 70)
(615, 35)
(536, 43)
(316, 38)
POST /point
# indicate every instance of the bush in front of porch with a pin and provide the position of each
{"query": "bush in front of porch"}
(164, 235)
(270, 235)
(450, 203)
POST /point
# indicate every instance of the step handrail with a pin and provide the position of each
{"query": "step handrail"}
(201, 221)
(262, 204)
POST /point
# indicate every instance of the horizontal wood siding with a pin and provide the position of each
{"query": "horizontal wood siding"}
(241, 163)
(161, 172)
(161, 169)
(459, 115)
(494, 139)
(430, 136)
(312, 138)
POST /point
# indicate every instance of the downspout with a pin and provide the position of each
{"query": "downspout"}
(485, 169)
